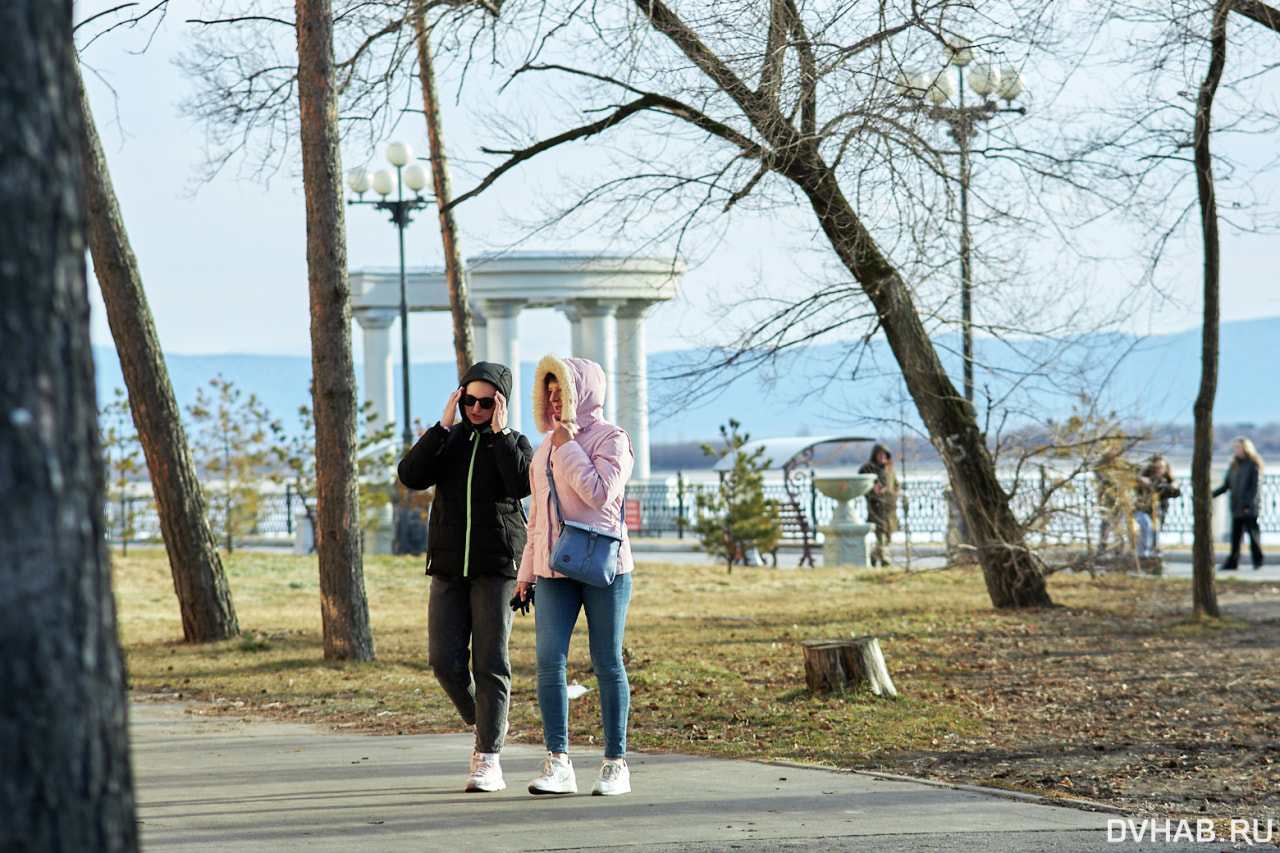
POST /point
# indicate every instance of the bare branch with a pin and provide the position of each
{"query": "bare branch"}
(771, 67)
(604, 78)
(669, 24)
(745, 191)
(160, 6)
(1258, 11)
(102, 14)
(870, 41)
(349, 64)
(244, 19)
(647, 102)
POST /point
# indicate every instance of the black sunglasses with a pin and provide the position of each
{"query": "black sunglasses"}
(485, 402)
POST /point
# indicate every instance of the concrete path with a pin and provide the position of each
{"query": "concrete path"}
(214, 784)
(1177, 560)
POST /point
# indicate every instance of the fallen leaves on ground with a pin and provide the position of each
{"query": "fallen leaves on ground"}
(1147, 710)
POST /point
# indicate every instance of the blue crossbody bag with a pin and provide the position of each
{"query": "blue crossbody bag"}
(584, 553)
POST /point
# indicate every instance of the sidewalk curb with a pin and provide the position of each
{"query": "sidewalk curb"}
(1020, 796)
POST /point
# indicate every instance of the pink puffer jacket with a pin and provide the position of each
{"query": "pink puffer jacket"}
(591, 471)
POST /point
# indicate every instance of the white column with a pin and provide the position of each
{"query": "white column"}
(633, 382)
(599, 343)
(479, 333)
(575, 329)
(375, 328)
(503, 346)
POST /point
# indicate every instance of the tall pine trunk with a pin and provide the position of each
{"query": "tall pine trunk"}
(454, 271)
(204, 599)
(65, 779)
(344, 607)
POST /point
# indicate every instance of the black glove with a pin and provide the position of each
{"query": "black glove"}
(522, 606)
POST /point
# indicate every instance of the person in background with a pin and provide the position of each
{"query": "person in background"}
(591, 461)
(1116, 480)
(882, 501)
(1156, 487)
(1244, 481)
(476, 534)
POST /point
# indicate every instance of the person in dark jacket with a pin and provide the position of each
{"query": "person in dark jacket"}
(1156, 487)
(882, 501)
(475, 536)
(1244, 481)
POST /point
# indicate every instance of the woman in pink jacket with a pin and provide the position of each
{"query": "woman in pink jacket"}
(591, 461)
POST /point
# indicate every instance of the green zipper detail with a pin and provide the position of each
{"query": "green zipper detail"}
(466, 554)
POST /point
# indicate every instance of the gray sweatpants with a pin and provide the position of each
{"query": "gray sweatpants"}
(471, 619)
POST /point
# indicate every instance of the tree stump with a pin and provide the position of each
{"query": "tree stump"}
(831, 664)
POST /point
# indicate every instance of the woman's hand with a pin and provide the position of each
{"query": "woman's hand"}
(451, 409)
(563, 433)
(499, 412)
(523, 588)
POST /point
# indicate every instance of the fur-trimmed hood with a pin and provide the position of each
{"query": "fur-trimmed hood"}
(582, 389)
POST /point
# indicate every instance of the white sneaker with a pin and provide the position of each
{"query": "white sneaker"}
(556, 777)
(614, 778)
(486, 773)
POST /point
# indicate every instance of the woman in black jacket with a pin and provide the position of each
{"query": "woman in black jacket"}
(476, 534)
(1244, 481)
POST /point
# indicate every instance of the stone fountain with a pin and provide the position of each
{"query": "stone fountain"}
(844, 540)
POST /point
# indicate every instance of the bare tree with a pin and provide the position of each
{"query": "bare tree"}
(204, 599)
(343, 605)
(774, 89)
(1204, 594)
(65, 777)
(1181, 50)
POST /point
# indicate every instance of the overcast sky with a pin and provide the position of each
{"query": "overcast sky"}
(224, 263)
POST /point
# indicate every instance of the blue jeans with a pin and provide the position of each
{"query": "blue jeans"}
(556, 613)
(1146, 534)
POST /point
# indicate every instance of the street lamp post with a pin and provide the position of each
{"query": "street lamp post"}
(399, 154)
(937, 88)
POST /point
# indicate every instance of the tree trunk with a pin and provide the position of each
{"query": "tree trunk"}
(1203, 593)
(343, 605)
(454, 271)
(204, 599)
(1013, 573)
(65, 778)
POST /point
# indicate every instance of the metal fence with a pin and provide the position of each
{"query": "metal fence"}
(137, 513)
(1072, 513)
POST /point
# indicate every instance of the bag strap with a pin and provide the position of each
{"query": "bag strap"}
(551, 480)
(555, 499)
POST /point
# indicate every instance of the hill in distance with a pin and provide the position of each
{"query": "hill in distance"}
(1154, 382)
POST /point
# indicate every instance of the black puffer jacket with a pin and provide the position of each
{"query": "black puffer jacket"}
(1242, 481)
(477, 525)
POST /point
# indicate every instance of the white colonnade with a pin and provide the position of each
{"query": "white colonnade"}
(375, 323)
(604, 297)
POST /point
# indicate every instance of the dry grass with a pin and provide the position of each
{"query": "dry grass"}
(714, 661)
